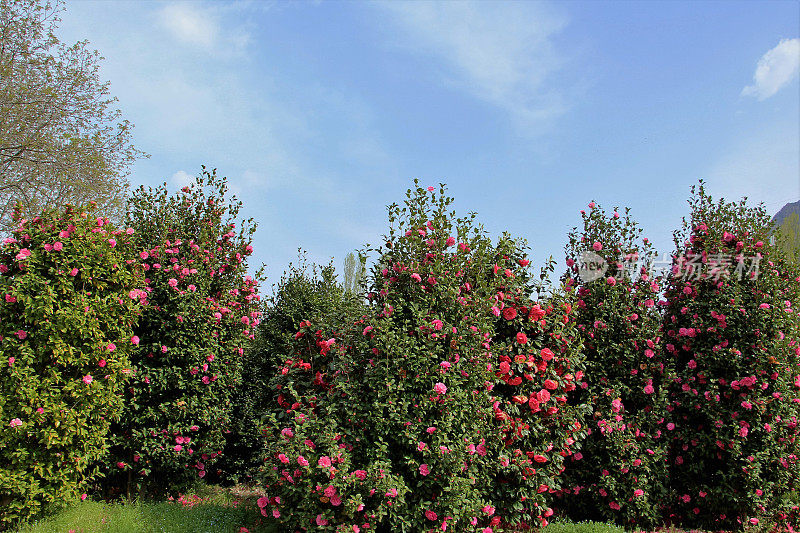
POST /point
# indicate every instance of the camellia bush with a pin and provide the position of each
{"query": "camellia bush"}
(620, 473)
(201, 309)
(70, 298)
(731, 328)
(304, 293)
(413, 418)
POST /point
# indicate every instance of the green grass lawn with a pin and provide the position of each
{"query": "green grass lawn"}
(214, 510)
(208, 510)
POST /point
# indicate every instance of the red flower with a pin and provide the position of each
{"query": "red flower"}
(509, 313)
(522, 338)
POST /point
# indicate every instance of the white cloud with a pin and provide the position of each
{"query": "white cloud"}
(182, 178)
(501, 52)
(190, 23)
(775, 69)
(217, 28)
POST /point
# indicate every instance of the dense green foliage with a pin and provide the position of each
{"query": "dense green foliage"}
(69, 302)
(394, 423)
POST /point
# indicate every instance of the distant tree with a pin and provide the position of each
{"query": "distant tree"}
(61, 139)
(788, 236)
(353, 272)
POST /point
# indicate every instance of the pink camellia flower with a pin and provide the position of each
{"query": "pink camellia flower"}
(302, 461)
(522, 338)
(648, 389)
(23, 254)
(440, 388)
(101, 363)
(764, 306)
(287, 432)
(424, 470)
(73, 272)
(178, 447)
(112, 242)
(488, 509)
(450, 241)
(324, 461)
(135, 340)
(727, 237)
(16, 422)
(21, 334)
(172, 282)
(430, 515)
(611, 280)
(48, 247)
(597, 246)
(111, 347)
(437, 324)
(321, 521)
(262, 501)
(336, 500)
(432, 429)
(11, 361)
(276, 513)
(638, 492)
(87, 379)
(58, 246)
(421, 446)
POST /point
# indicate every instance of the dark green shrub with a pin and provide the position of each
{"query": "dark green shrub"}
(304, 293)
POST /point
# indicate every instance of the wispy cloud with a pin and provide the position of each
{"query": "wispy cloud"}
(776, 69)
(182, 178)
(500, 52)
(204, 26)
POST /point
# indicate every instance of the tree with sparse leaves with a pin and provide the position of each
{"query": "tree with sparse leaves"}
(61, 138)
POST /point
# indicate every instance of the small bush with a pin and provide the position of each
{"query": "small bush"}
(304, 293)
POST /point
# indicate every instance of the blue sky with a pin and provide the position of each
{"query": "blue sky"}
(322, 113)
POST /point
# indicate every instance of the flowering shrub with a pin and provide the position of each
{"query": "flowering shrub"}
(620, 473)
(303, 293)
(538, 369)
(200, 314)
(395, 422)
(69, 301)
(734, 402)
